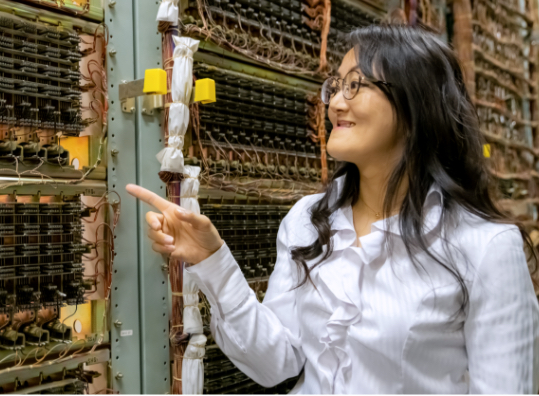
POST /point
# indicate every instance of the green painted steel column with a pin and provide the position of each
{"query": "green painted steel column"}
(121, 170)
(153, 281)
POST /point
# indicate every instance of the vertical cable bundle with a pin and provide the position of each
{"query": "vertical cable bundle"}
(326, 21)
(317, 124)
(182, 188)
(171, 157)
(192, 365)
(177, 336)
(319, 18)
(463, 41)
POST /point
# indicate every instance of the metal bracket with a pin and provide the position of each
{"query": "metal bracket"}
(128, 91)
(128, 105)
(151, 103)
(131, 89)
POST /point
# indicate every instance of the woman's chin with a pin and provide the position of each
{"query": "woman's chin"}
(341, 150)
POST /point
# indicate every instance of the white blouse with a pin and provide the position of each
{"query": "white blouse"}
(377, 324)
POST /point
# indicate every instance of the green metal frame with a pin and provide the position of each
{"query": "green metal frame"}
(125, 359)
(153, 281)
(140, 286)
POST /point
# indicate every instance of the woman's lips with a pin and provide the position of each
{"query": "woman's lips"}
(344, 124)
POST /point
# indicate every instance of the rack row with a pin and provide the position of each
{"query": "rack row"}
(39, 76)
(222, 377)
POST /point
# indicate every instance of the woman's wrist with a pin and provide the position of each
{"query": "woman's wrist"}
(210, 252)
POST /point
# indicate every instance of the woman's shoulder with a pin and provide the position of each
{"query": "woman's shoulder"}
(303, 206)
(471, 225)
(297, 223)
(477, 235)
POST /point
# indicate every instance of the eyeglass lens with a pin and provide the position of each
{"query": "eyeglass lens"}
(350, 86)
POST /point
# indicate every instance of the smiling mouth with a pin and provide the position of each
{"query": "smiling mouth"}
(345, 124)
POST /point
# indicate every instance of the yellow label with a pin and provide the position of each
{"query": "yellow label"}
(79, 150)
(486, 150)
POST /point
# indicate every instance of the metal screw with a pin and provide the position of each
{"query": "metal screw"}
(119, 376)
(112, 52)
(117, 323)
(164, 267)
(115, 202)
(112, 3)
(114, 152)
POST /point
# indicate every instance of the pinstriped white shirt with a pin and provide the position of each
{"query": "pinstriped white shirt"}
(375, 323)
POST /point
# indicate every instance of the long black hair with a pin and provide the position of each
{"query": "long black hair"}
(443, 143)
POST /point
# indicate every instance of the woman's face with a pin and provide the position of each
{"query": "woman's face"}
(364, 128)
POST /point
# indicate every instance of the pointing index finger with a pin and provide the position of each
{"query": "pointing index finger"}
(149, 197)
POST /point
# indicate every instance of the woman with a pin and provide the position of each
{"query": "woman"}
(403, 277)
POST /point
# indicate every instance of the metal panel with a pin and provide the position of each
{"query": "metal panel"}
(154, 311)
(52, 16)
(87, 9)
(25, 373)
(28, 185)
(122, 169)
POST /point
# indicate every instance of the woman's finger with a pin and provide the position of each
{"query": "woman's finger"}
(160, 237)
(155, 220)
(163, 249)
(199, 222)
(149, 197)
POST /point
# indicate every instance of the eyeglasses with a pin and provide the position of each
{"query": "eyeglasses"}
(351, 84)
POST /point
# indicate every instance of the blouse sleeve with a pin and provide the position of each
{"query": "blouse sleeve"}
(502, 327)
(261, 339)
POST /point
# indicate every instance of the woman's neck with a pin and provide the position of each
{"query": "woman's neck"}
(372, 191)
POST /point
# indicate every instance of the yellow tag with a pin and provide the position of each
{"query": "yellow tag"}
(155, 82)
(486, 150)
(205, 91)
(79, 150)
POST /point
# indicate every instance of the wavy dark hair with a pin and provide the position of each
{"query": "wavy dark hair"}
(443, 144)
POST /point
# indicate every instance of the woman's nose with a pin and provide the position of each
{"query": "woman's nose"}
(338, 103)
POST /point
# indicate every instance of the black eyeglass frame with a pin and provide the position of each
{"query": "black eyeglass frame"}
(340, 81)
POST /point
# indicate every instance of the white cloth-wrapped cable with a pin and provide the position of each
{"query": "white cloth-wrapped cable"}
(192, 321)
(189, 188)
(171, 157)
(192, 366)
(168, 11)
(182, 72)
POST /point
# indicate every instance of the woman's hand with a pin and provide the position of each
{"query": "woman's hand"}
(176, 231)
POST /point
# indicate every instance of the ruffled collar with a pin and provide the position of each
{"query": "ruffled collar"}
(343, 224)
